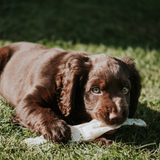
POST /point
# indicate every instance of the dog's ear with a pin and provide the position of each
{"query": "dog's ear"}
(5, 54)
(135, 80)
(77, 66)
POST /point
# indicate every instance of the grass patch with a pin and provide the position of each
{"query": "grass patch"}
(131, 142)
(122, 28)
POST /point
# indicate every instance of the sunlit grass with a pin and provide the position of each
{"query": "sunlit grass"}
(130, 142)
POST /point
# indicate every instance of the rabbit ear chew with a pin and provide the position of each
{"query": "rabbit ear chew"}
(94, 129)
(137, 122)
(89, 131)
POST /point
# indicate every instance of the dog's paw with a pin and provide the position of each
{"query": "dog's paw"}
(58, 132)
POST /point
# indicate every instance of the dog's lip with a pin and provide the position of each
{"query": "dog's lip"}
(116, 123)
(111, 132)
(112, 124)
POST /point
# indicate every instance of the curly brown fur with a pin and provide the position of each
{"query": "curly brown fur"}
(52, 88)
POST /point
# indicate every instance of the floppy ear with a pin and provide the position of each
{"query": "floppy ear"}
(135, 80)
(77, 66)
(5, 54)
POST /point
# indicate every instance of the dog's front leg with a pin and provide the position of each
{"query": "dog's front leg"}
(42, 120)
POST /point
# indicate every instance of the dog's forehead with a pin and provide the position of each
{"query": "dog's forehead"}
(103, 59)
(106, 65)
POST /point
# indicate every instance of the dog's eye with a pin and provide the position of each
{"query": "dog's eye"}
(125, 90)
(96, 90)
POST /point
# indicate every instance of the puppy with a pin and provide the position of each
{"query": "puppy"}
(52, 88)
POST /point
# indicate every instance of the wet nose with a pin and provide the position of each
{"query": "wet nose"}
(113, 116)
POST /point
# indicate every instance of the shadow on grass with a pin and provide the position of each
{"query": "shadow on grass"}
(117, 23)
(149, 137)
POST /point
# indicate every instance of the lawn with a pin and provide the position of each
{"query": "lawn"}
(117, 28)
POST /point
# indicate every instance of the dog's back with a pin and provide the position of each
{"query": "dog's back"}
(15, 61)
(5, 54)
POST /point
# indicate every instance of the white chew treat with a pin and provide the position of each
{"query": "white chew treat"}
(93, 129)
(89, 131)
(137, 122)
(37, 140)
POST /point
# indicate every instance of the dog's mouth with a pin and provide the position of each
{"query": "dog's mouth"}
(112, 123)
(110, 120)
(116, 122)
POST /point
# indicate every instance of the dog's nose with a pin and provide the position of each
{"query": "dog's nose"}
(113, 116)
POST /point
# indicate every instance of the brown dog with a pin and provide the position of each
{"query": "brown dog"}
(52, 88)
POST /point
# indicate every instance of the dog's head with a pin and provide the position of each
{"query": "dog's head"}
(112, 90)
(109, 87)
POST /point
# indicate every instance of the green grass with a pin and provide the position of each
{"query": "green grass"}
(118, 28)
